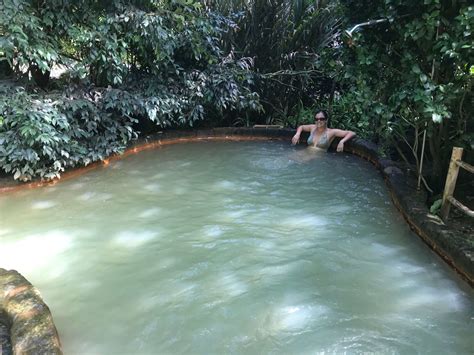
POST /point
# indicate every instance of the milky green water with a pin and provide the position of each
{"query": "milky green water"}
(215, 248)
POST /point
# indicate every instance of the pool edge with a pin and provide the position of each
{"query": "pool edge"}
(401, 185)
(27, 317)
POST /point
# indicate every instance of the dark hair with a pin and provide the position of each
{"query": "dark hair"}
(324, 112)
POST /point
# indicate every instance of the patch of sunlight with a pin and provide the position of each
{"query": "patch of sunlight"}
(402, 283)
(266, 245)
(207, 245)
(42, 205)
(89, 196)
(35, 251)
(230, 285)
(86, 196)
(61, 268)
(290, 318)
(230, 216)
(441, 300)
(153, 187)
(338, 209)
(304, 244)
(150, 212)
(4, 231)
(225, 185)
(384, 250)
(134, 238)
(304, 221)
(213, 231)
(407, 268)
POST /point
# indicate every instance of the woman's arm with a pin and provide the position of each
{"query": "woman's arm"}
(345, 135)
(305, 128)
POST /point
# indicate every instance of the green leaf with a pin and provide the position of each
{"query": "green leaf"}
(436, 206)
(416, 69)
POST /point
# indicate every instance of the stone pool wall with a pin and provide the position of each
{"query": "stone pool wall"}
(30, 323)
(26, 324)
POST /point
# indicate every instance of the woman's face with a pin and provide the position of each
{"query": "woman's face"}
(320, 119)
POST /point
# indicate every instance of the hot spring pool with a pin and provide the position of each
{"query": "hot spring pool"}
(226, 247)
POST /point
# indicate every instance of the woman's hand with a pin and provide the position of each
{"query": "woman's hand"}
(340, 147)
(295, 139)
(345, 135)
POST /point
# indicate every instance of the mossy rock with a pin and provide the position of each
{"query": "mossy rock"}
(28, 319)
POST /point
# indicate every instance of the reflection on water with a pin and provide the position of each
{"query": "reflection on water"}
(233, 247)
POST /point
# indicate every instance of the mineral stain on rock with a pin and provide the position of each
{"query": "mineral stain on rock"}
(26, 323)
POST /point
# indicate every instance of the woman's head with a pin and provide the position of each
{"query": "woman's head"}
(321, 117)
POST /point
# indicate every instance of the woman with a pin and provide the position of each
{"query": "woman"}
(320, 135)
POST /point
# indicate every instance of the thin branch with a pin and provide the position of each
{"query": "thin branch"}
(408, 163)
(282, 83)
(289, 72)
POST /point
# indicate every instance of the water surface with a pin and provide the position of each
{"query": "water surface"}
(233, 248)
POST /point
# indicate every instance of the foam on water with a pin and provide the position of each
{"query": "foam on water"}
(42, 205)
(443, 301)
(303, 221)
(86, 196)
(35, 251)
(225, 185)
(213, 231)
(291, 318)
(154, 188)
(134, 239)
(150, 212)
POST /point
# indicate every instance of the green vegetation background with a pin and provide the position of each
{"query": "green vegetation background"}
(132, 67)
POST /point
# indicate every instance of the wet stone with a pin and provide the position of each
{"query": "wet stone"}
(392, 170)
(5, 344)
(31, 330)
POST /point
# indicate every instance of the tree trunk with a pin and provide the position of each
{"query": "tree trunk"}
(435, 145)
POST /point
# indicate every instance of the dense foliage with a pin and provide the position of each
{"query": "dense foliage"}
(43, 135)
(411, 74)
(290, 42)
(390, 82)
(127, 63)
(181, 63)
